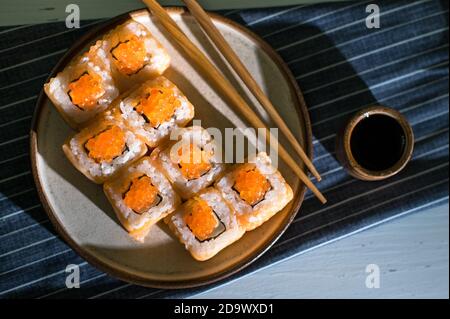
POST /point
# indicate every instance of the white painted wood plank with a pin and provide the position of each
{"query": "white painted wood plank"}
(412, 253)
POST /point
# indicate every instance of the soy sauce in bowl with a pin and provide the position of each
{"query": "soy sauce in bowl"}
(377, 142)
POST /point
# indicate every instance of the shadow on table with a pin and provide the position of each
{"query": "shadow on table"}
(330, 116)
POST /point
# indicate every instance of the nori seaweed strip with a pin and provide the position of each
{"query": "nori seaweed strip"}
(68, 92)
(112, 54)
(146, 119)
(93, 136)
(125, 148)
(214, 237)
(153, 204)
(193, 179)
(264, 197)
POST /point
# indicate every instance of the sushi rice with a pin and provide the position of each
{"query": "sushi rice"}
(138, 224)
(168, 161)
(99, 61)
(156, 59)
(103, 170)
(203, 250)
(274, 200)
(57, 89)
(154, 136)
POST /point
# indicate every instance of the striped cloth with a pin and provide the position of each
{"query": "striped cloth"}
(341, 66)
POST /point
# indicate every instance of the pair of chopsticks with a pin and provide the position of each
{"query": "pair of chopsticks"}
(227, 88)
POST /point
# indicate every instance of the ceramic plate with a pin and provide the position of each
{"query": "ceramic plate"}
(78, 208)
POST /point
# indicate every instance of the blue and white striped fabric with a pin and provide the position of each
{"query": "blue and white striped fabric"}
(341, 67)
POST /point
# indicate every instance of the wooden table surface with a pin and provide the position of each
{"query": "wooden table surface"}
(411, 252)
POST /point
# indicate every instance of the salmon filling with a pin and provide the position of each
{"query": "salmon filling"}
(106, 145)
(142, 195)
(201, 220)
(251, 185)
(85, 91)
(158, 106)
(129, 56)
(194, 164)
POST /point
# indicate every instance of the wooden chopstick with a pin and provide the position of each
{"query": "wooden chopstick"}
(225, 49)
(225, 86)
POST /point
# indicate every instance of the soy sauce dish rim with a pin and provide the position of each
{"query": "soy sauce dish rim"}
(365, 174)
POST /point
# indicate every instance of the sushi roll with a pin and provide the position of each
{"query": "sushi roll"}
(141, 196)
(154, 109)
(102, 148)
(134, 54)
(192, 162)
(84, 88)
(255, 190)
(205, 224)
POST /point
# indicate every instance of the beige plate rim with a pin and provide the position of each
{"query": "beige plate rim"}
(133, 278)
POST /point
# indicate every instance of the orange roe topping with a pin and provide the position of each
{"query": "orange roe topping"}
(141, 195)
(129, 56)
(106, 145)
(158, 106)
(251, 185)
(194, 164)
(85, 91)
(200, 218)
